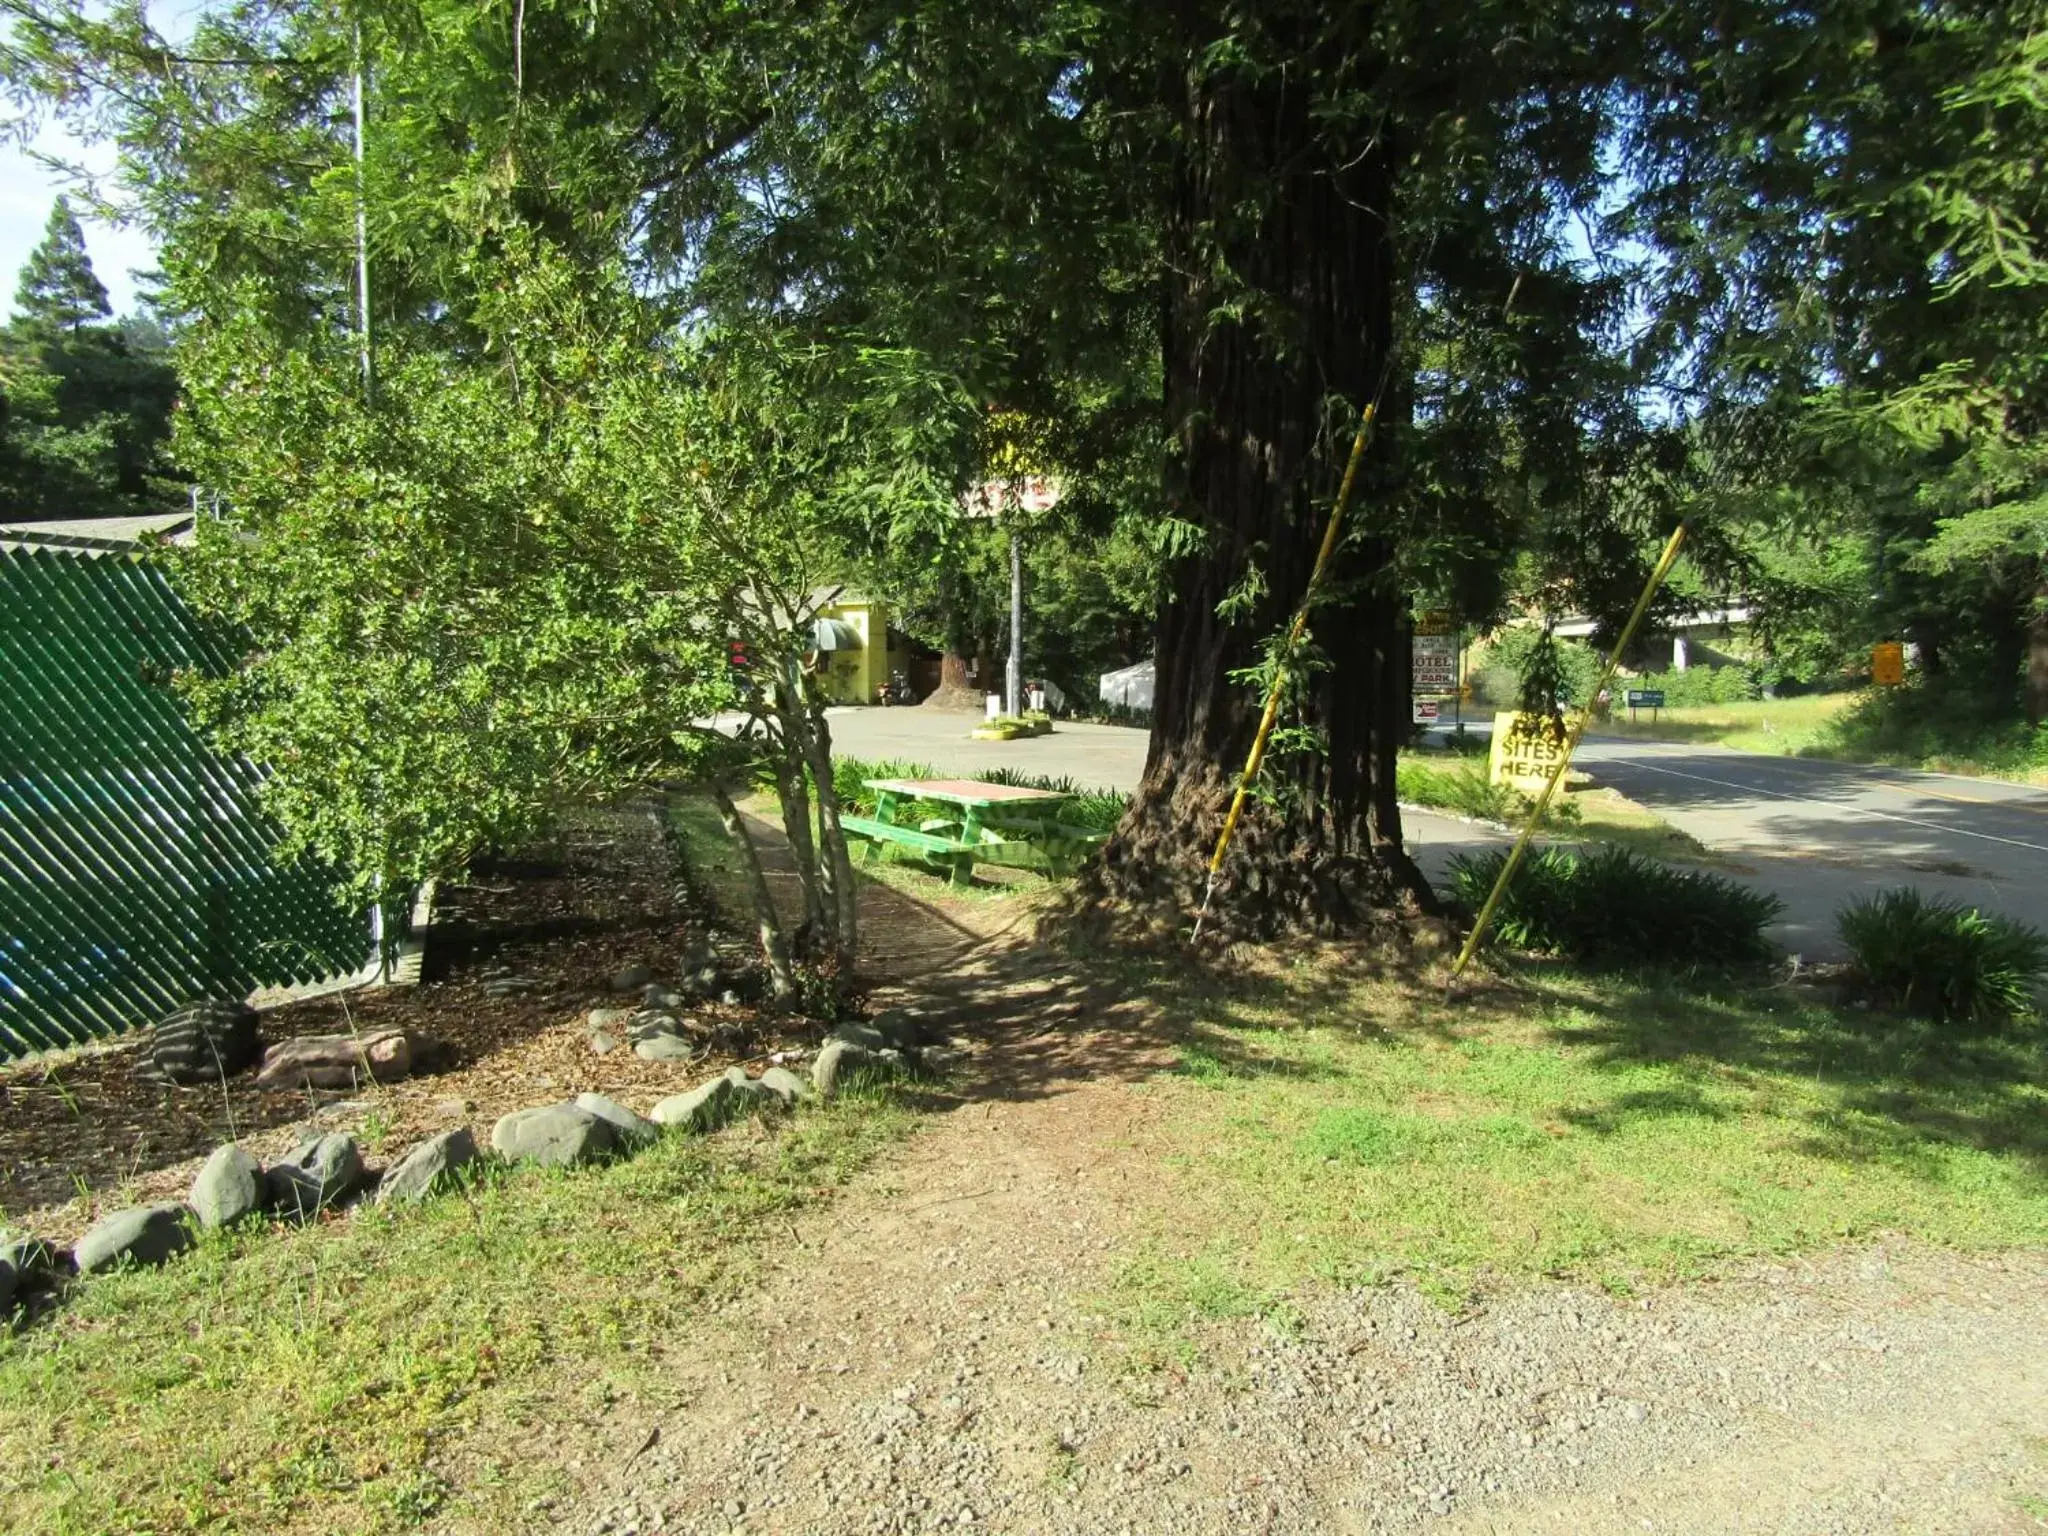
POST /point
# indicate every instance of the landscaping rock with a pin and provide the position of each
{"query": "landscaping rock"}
(666, 1048)
(866, 1036)
(747, 1092)
(428, 1167)
(630, 1129)
(704, 1108)
(609, 1018)
(337, 1061)
(229, 1188)
(148, 1234)
(897, 1028)
(653, 1021)
(321, 1172)
(205, 1041)
(510, 986)
(632, 978)
(553, 1135)
(602, 1043)
(837, 1059)
(785, 1085)
(658, 996)
(33, 1261)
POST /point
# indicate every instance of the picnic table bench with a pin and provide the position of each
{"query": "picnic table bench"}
(967, 822)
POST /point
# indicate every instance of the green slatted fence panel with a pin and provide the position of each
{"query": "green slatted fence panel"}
(136, 869)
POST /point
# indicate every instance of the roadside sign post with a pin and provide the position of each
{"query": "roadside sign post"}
(1651, 699)
(1433, 652)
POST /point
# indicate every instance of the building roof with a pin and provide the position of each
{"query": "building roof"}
(98, 535)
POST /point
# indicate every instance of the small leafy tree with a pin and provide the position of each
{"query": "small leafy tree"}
(453, 627)
(763, 466)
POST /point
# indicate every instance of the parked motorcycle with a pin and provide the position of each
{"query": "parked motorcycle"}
(896, 690)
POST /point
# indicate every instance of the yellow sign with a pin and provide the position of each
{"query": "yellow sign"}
(1436, 622)
(1524, 758)
(1888, 663)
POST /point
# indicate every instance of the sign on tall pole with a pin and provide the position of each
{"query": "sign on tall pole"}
(1025, 496)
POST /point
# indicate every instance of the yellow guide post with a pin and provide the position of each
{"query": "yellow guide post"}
(1564, 757)
(1294, 633)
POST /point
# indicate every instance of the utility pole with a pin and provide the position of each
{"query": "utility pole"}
(1015, 679)
(362, 236)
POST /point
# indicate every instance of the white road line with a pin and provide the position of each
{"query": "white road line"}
(2019, 797)
(1854, 810)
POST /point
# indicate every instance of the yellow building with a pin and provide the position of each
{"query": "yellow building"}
(856, 651)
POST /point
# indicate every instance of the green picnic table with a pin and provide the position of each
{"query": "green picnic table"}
(955, 824)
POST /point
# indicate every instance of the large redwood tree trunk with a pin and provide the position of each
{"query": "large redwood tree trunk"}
(1264, 398)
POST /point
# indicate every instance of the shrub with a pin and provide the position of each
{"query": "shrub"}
(1943, 960)
(1697, 685)
(1498, 671)
(1460, 785)
(850, 776)
(1614, 907)
(1098, 810)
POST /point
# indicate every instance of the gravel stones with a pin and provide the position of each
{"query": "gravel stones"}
(703, 1108)
(554, 1135)
(629, 1129)
(427, 1168)
(148, 1234)
(230, 1188)
(321, 1172)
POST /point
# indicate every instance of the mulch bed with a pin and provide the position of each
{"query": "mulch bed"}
(95, 1130)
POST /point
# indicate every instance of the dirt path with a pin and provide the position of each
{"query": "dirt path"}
(935, 1359)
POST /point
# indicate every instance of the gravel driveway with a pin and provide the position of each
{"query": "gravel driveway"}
(935, 1357)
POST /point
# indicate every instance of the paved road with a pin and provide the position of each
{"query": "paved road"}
(1816, 834)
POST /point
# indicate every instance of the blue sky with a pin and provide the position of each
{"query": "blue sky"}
(27, 188)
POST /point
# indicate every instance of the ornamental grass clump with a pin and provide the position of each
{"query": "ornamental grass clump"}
(1613, 907)
(1944, 961)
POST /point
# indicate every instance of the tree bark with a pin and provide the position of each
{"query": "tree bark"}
(781, 979)
(2037, 659)
(795, 800)
(1264, 396)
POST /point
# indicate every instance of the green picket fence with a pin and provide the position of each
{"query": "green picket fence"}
(136, 866)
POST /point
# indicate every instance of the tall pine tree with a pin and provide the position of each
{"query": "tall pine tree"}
(87, 402)
(59, 289)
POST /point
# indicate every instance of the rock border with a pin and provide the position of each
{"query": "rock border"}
(327, 1173)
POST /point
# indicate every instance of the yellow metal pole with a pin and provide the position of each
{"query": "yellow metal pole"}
(1294, 634)
(1514, 861)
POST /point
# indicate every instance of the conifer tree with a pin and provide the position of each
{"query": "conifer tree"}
(59, 289)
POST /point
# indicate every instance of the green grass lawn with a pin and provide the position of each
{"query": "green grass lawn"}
(1919, 727)
(363, 1374)
(1458, 784)
(1788, 727)
(1612, 1131)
